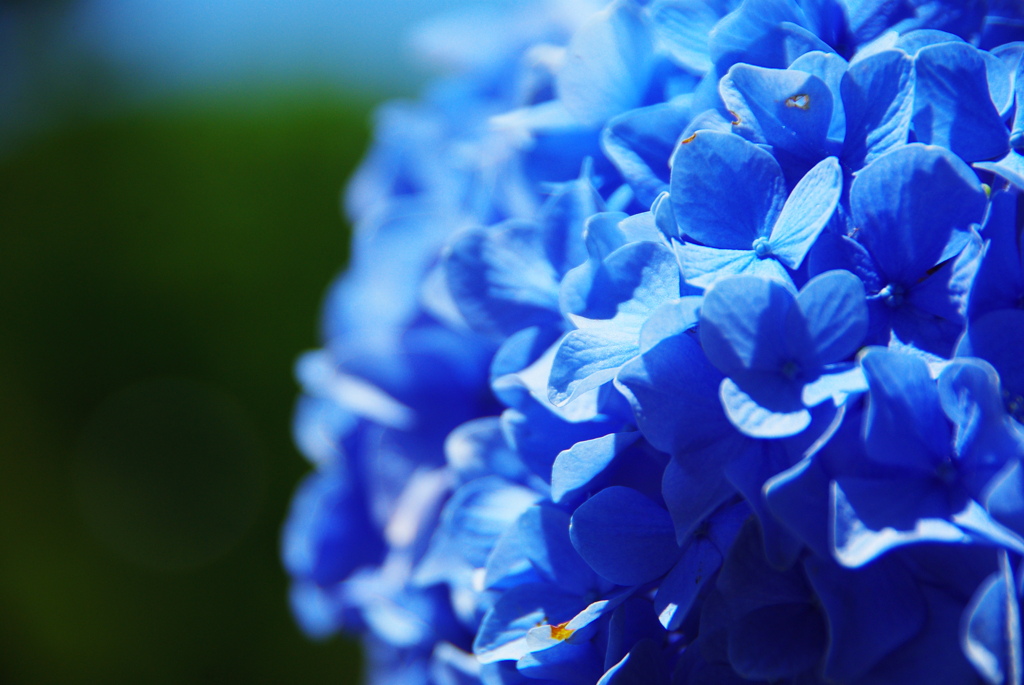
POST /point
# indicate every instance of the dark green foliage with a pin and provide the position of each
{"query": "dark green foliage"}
(180, 252)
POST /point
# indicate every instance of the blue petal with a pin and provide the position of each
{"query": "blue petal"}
(685, 582)
(834, 308)
(502, 279)
(913, 206)
(502, 632)
(775, 631)
(1010, 167)
(587, 359)
(999, 280)
(538, 435)
(449, 665)
(765, 33)
(742, 324)
(628, 285)
(869, 18)
(748, 472)
(984, 529)
(673, 391)
(809, 208)
(474, 518)
(986, 437)
(327, 516)
(1000, 74)
(694, 483)
(670, 319)
(777, 642)
(857, 542)
(545, 544)
(641, 141)
(682, 27)
(752, 419)
(934, 655)
(624, 536)
(748, 581)
(836, 384)
(787, 109)
(952, 104)
(577, 469)
(317, 425)
(830, 68)
(602, 234)
(562, 217)
(1004, 499)
(798, 497)
(315, 609)
(643, 664)
(871, 613)
(478, 448)
(878, 95)
(913, 41)
(726, 192)
(564, 662)
(1017, 130)
(996, 337)
(943, 294)
(607, 65)
(905, 425)
(991, 633)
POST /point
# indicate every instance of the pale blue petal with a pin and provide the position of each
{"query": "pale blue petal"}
(682, 27)
(836, 386)
(1010, 167)
(577, 469)
(703, 266)
(589, 358)
(640, 143)
(502, 280)
(807, 211)
(750, 418)
(607, 65)
(671, 318)
(856, 544)
(991, 632)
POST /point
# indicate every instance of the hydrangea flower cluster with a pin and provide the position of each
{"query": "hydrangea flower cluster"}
(681, 344)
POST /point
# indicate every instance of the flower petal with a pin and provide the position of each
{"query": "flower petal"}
(624, 536)
(726, 192)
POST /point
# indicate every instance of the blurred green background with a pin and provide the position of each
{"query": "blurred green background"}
(177, 255)
(162, 261)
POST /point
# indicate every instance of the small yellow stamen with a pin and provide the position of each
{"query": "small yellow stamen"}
(688, 139)
(799, 101)
(560, 632)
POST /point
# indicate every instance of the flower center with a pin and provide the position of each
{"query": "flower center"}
(946, 472)
(893, 295)
(790, 370)
(1014, 405)
(761, 248)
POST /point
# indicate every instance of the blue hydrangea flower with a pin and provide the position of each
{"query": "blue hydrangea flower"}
(681, 345)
